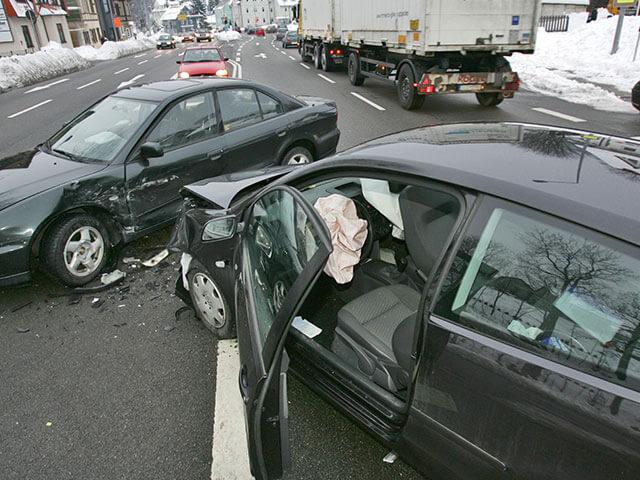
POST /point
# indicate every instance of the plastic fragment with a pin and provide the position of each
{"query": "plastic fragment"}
(22, 330)
(113, 277)
(169, 328)
(152, 262)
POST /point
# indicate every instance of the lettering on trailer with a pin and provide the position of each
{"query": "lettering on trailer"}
(472, 79)
(393, 14)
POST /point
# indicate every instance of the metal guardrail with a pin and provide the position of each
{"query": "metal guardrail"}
(554, 23)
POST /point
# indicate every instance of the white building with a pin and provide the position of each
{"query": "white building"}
(284, 10)
(257, 12)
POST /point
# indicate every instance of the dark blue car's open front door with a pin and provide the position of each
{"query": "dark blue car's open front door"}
(283, 249)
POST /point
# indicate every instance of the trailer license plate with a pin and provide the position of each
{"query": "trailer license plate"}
(337, 60)
(469, 88)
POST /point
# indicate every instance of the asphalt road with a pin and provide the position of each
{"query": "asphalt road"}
(121, 383)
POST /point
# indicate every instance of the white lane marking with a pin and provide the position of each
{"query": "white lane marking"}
(89, 84)
(143, 61)
(257, 43)
(120, 71)
(28, 109)
(283, 52)
(260, 55)
(43, 87)
(230, 458)
(635, 138)
(174, 76)
(129, 82)
(559, 115)
(306, 66)
(326, 78)
(292, 58)
(138, 56)
(366, 100)
(159, 55)
(237, 72)
(237, 59)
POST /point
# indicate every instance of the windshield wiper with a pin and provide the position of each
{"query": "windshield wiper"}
(70, 156)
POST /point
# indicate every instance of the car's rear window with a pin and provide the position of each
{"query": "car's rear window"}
(550, 287)
(202, 55)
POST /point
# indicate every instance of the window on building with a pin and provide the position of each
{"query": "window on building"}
(61, 33)
(117, 7)
(85, 34)
(27, 36)
(94, 37)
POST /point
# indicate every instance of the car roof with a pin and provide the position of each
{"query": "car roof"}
(589, 178)
(203, 47)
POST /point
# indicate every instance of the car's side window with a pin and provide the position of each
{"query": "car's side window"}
(270, 107)
(190, 120)
(550, 287)
(238, 107)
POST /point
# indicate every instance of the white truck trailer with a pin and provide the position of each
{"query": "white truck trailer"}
(425, 47)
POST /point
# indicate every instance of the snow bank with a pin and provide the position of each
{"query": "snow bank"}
(54, 60)
(228, 36)
(573, 64)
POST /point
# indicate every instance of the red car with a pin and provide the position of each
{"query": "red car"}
(260, 31)
(188, 37)
(202, 62)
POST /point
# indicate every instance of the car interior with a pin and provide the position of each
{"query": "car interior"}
(370, 321)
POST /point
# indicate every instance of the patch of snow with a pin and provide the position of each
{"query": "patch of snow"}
(228, 36)
(571, 65)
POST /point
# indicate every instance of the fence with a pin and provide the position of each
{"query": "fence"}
(554, 23)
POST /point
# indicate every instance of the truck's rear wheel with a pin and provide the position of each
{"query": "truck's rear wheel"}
(407, 93)
(325, 59)
(316, 57)
(353, 68)
(489, 99)
(301, 51)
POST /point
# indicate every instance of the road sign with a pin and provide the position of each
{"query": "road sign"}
(182, 17)
(117, 23)
(624, 3)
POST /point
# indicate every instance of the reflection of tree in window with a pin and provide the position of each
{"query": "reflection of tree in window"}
(550, 142)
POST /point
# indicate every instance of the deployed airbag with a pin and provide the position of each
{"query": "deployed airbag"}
(348, 234)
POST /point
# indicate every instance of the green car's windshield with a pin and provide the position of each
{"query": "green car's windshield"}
(164, 37)
(100, 132)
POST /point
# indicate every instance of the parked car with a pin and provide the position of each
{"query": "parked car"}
(188, 37)
(113, 173)
(251, 31)
(635, 96)
(203, 35)
(165, 41)
(202, 62)
(271, 28)
(291, 39)
(259, 31)
(469, 294)
(282, 31)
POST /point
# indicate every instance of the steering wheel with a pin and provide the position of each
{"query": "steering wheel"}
(363, 213)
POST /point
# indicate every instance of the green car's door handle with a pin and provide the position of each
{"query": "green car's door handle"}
(215, 155)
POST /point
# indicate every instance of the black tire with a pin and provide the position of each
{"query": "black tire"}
(325, 60)
(87, 233)
(316, 57)
(297, 156)
(407, 94)
(209, 303)
(305, 58)
(353, 69)
(489, 99)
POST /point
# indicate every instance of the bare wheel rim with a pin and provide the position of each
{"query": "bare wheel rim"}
(83, 251)
(298, 159)
(405, 87)
(209, 300)
(279, 293)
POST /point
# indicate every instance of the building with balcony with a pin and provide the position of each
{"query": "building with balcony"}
(84, 24)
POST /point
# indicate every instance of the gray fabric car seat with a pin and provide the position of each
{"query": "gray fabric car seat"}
(375, 331)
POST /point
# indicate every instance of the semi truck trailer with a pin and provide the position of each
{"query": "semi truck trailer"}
(424, 47)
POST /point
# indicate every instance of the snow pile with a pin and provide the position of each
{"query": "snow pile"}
(228, 36)
(113, 50)
(53, 60)
(571, 65)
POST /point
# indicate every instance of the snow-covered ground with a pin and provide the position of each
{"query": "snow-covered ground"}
(575, 66)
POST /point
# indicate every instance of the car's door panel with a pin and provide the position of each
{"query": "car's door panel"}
(283, 249)
(193, 150)
(535, 365)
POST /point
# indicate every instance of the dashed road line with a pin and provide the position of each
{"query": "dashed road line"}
(292, 58)
(326, 78)
(559, 115)
(173, 77)
(28, 109)
(366, 100)
(159, 55)
(306, 66)
(635, 138)
(143, 61)
(129, 82)
(138, 56)
(43, 87)
(89, 84)
(120, 71)
(282, 52)
(237, 59)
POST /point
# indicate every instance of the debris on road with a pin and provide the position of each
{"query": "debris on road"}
(96, 302)
(152, 262)
(113, 277)
(22, 305)
(22, 330)
(169, 328)
(130, 260)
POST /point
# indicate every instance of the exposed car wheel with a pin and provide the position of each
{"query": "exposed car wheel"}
(353, 69)
(325, 60)
(316, 57)
(76, 249)
(407, 93)
(297, 156)
(209, 303)
(489, 99)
